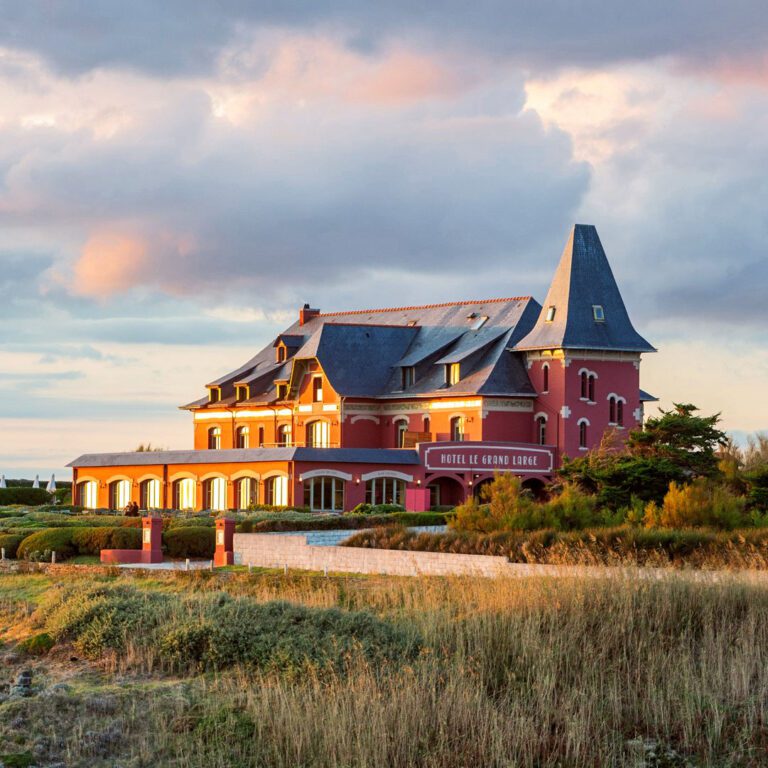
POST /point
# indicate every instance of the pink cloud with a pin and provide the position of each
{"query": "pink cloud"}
(109, 263)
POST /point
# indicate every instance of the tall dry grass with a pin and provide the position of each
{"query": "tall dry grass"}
(528, 673)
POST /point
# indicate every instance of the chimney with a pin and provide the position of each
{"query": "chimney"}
(306, 313)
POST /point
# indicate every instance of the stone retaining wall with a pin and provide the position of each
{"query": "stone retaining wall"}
(266, 551)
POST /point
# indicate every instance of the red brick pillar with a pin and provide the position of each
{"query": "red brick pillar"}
(151, 540)
(225, 531)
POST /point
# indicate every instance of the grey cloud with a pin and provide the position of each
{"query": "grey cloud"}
(187, 36)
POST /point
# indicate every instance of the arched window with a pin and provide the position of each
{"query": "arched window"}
(246, 492)
(385, 490)
(88, 494)
(583, 433)
(119, 494)
(584, 385)
(215, 494)
(457, 428)
(611, 410)
(242, 436)
(541, 429)
(276, 491)
(545, 377)
(324, 494)
(318, 434)
(592, 378)
(284, 435)
(150, 495)
(620, 412)
(427, 426)
(401, 427)
(214, 438)
(184, 493)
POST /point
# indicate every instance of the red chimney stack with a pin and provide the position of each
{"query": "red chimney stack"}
(306, 313)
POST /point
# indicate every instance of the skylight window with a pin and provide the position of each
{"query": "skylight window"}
(597, 313)
(479, 323)
(551, 314)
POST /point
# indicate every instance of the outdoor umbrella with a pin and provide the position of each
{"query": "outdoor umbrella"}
(36, 484)
(51, 487)
(2, 481)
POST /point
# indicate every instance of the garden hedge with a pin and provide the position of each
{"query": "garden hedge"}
(34, 497)
(190, 541)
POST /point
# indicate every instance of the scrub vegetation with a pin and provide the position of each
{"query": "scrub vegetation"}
(263, 669)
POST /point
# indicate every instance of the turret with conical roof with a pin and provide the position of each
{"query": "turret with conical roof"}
(584, 309)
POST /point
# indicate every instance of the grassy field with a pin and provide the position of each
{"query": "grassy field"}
(270, 670)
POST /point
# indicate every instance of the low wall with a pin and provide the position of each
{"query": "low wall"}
(266, 551)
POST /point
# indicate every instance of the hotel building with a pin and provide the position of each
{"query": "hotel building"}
(417, 406)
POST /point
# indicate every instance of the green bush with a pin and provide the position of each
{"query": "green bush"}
(90, 541)
(10, 542)
(101, 618)
(278, 635)
(37, 645)
(298, 521)
(192, 522)
(39, 545)
(214, 631)
(195, 541)
(24, 495)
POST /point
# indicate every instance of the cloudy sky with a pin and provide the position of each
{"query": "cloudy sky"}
(177, 178)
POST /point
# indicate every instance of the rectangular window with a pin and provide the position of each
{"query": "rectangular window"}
(452, 373)
(317, 389)
(479, 323)
(408, 373)
(550, 314)
(282, 391)
(597, 313)
(281, 354)
(242, 392)
(214, 394)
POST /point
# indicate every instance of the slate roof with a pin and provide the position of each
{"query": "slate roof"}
(249, 456)
(363, 352)
(584, 279)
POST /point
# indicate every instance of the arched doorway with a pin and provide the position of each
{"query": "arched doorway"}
(536, 486)
(446, 491)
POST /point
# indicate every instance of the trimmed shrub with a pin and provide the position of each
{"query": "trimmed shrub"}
(90, 541)
(190, 541)
(38, 546)
(24, 495)
(10, 542)
(191, 522)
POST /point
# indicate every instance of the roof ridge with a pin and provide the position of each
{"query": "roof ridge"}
(423, 306)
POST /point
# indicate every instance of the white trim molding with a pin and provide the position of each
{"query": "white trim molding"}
(364, 417)
(583, 420)
(540, 415)
(386, 474)
(324, 473)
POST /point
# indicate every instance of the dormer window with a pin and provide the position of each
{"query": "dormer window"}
(452, 374)
(281, 353)
(408, 376)
(282, 391)
(550, 314)
(214, 394)
(242, 392)
(597, 313)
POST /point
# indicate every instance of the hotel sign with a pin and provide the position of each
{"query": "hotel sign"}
(479, 457)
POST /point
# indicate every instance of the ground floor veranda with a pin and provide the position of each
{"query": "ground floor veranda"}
(323, 480)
